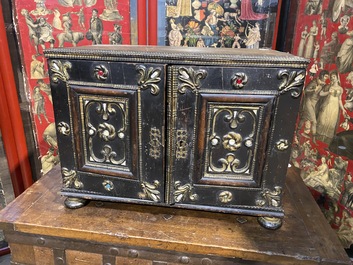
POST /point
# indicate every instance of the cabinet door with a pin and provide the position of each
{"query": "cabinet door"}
(110, 123)
(220, 123)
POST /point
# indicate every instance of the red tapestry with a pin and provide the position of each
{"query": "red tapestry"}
(42, 24)
(323, 148)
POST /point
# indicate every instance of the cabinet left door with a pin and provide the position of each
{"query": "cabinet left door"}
(110, 120)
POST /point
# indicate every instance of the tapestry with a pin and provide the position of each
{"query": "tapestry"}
(222, 23)
(43, 24)
(323, 145)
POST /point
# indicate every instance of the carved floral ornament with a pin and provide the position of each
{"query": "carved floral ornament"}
(59, 70)
(291, 81)
(149, 78)
(183, 192)
(149, 191)
(70, 178)
(190, 79)
(271, 198)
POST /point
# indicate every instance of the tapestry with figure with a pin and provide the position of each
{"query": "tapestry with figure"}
(223, 23)
(323, 148)
(43, 24)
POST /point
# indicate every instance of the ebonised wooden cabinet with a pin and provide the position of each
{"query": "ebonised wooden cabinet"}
(207, 129)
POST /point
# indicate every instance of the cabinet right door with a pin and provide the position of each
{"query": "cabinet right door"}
(221, 132)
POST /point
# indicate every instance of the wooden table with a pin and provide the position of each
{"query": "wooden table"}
(40, 230)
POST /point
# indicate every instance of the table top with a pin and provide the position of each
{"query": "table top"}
(304, 238)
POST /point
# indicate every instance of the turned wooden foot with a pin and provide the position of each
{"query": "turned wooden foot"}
(75, 203)
(272, 223)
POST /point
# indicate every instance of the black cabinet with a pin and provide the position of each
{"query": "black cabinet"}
(206, 129)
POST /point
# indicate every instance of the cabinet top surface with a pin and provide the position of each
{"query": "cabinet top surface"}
(167, 54)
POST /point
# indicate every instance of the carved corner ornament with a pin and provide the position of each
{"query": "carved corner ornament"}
(70, 179)
(150, 191)
(291, 81)
(182, 192)
(190, 79)
(271, 198)
(59, 70)
(149, 78)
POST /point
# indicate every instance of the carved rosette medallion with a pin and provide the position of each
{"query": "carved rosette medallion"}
(64, 128)
(239, 80)
(282, 145)
(190, 79)
(59, 70)
(106, 131)
(108, 185)
(155, 143)
(149, 78)
(291, 81)
(150, 191)
(70, 179)
(183, 192)
(100, 72)
(232, 141)
(271, 198)
(225, 196)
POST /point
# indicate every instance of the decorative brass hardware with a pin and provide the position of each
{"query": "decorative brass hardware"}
(106, 131)
(108, 185)
(155, 143)
(149, 78)
(291, 81)
(234, 117)
(182, 192)
(64, 128)
(228, 164)
(105, 109)
(190, 79)
(225, 197)
(109, 156)
(101, 72)
(271, 198)
(232, 141)
(59, 70)
(239, 80)
(181, 144)
(282, 145)
(70, 178)
(150, 191)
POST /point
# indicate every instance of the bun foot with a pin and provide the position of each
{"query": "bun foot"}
(75, 203)
(271, 223)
